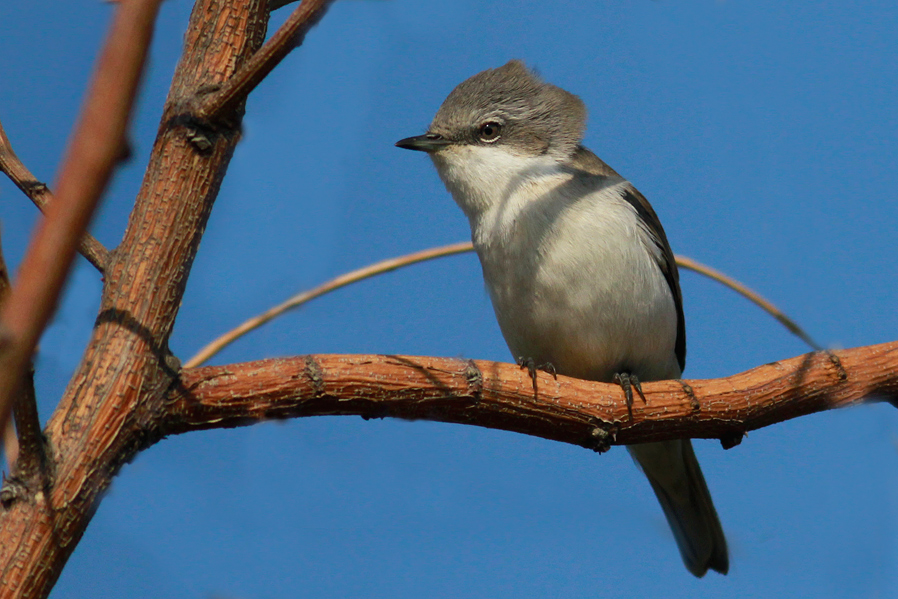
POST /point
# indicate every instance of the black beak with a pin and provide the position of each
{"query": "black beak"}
(429, 142)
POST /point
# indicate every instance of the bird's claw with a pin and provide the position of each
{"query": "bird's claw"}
(532, 368)
(628, 382)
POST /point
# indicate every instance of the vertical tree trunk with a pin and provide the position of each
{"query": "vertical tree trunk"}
(127, 369)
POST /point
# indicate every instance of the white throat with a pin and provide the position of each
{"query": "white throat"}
(487, 179)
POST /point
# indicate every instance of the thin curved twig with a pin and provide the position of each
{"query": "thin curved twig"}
(41, 196)
(755, 298)
(391, 264)
(300, 298)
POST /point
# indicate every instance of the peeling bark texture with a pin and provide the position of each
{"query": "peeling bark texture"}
(109, 410)
(494, 395)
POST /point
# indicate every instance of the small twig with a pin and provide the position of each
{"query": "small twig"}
(25, 452)
(38, 192)
(301, 298)
(276, 4)
(10, 445)
(85, 171)
(251, 74)
(448, 250)
(32, 457)
(10, 442)
(716, 275)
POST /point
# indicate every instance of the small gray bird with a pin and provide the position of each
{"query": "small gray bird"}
(576, 263)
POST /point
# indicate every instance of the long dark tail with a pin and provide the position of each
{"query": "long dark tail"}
(673, 471)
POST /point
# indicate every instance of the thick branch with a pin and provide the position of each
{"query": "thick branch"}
(86, 168)
(502, 396)
(109, 410)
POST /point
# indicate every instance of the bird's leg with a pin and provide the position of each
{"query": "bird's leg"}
(628, 382)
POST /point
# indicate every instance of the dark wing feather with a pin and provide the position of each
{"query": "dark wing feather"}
(586, 161)
(667, 262)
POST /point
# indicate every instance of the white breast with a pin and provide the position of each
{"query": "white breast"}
(568, 269)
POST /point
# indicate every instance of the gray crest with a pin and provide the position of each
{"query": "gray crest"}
(536, 117)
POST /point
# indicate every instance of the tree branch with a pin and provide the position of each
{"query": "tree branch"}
(10, 445)
(31, 471)
(25, 447)
(107, 413)
(128, 391)
(290, 35)
(502, 396)
(41, 196)
(86, 169)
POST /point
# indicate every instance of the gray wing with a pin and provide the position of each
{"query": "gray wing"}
(586, 161)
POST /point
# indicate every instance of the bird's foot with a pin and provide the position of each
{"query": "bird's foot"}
(628, 382)
(531, 367)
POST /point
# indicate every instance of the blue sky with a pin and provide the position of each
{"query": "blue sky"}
(765, 135)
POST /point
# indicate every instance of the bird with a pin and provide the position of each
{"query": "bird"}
(576, 263)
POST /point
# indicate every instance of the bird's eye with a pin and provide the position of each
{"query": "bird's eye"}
(489, 131)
